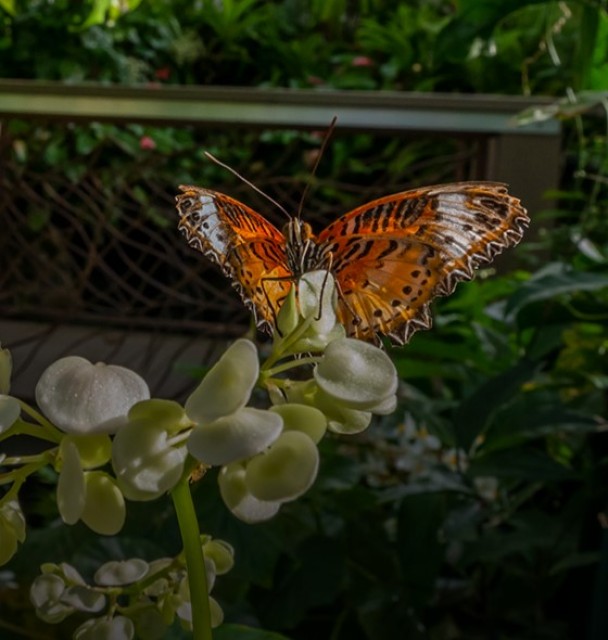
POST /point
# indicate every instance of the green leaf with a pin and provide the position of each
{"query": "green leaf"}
(474, 19)
(241, 632)
(475, 412)
(419, 547)
(521, 464)
(574, 561)
(528, 421)
(552, 281)
(8, 6)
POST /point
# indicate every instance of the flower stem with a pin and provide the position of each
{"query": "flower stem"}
(195, 562)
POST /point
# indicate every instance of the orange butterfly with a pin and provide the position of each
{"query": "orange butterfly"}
(389, 257)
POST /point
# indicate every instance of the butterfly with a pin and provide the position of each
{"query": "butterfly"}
(389, 257)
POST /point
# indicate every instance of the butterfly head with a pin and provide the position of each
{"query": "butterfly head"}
(303, 252)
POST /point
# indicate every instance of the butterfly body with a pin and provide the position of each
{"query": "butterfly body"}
(389, 257)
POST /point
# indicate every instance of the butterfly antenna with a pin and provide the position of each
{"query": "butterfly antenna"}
(328, 133)
(250, 184)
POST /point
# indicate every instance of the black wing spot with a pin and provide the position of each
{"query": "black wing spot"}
(407, 290)
(396, 303)
(378, 313)
(415, 273)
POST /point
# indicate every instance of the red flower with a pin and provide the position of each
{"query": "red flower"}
(162, 73)
(146, 142)
(362, 61)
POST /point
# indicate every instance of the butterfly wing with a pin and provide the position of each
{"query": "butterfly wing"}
(391, 257)
(248, 248)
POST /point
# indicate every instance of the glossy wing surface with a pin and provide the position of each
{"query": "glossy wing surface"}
(392, 256)
(248, 248)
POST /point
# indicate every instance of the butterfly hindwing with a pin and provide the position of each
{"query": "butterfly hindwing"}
(248, 248)
(392, 256)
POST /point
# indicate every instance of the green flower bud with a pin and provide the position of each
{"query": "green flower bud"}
(84, 398)
(6, 369)
(288, 317)
(10, 410)
(12, 529)
(227, 386)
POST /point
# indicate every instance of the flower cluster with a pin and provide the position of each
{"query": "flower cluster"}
(144, 598)
(110, 441)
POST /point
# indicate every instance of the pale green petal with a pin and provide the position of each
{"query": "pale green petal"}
(8, 541)
(227, 386)
(221, 553)
(93, 450)
(285, 471)
(234, 437)
(237, 498)
(299, 417)
(340, 418)
(71, 491)
(118, 573)
(84, 398)
(217, 615)
(117, 628)
(83, 599)
(167, 414)
(145, 461)
(104, 511)
(357, 374)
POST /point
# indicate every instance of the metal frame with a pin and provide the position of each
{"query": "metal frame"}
(165, 104)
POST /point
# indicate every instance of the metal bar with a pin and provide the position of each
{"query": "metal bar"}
(253, 107)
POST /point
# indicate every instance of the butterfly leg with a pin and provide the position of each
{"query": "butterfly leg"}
(327, 272)
(269, 300)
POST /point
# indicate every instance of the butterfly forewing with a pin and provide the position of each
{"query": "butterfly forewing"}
(393, 255)
(248, 248)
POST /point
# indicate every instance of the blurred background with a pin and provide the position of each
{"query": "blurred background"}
(477, 510)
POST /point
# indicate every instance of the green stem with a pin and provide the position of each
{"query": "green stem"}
(290, 365)
(195, 562)
(53, 433)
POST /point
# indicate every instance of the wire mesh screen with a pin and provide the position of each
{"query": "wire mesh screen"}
(89, 224)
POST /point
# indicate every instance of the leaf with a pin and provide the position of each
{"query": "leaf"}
(475, 19)
(552, 281)
(475, 412)
(312, 578)
(574, 561)
(8, 6)
(419, 548)
(521, 464)
(241, 632)
(527, 422)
